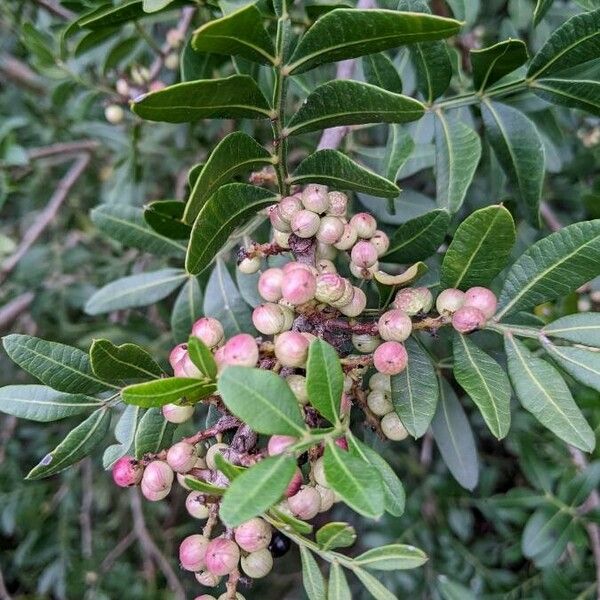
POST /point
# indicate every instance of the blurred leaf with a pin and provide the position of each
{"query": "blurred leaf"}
(108, 15)
(399, 146)
(376, 589)
(154, 433)
(125, 431)
(451, 590)
(187, 309)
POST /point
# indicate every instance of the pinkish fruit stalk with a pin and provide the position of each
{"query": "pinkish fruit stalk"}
(222, 556)
(306, 503)
(467, 319)
(347, 239)
(253, 535)
(394, 325)
(449, 301)
(196, 506)
(364, 225)
(257, 564)
(338, 204)
(294, 485)
(209, 330)
(364, 254)
(390, 358)
(483, 299)
(177, 355)
(177, 414)
(305, 223)
(127, 471)
(330, 230)
(279, 443)
(413, 300)
(356, 306)
(291, 349)
(181, 457)
(269, 284)
(240, 350)
(269, 318)
(192, 552)
(315, 198)
(298, 287)
(158, 476)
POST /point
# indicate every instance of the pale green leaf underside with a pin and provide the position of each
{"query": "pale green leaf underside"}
(153, 434)
(582, 364)
(312, 578)
(574, 93)
(581, 328)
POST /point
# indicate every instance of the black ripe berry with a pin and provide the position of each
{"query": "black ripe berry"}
(279, 545)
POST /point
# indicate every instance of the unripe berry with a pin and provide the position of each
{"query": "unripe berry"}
(390, 358)
(172, 61)
(338, 204)
(306, 503)
(380, 381)
(196, 506)
(114, 114)
(210, 454)
(278, 222)
(269, 284)
(205, 596)
(288, 207)
(327, 497)
(413, 300)
(248, 266)
(269, 318)
(381, 242)
(483, 299)
(346, 297)
(297, 384)
(253, 535)
(207, 579)
(222, 556)
(153, 496)
(192, 552)
(318, 472)
(392, 427)
(127, 471)
(364, 254)
(329, 287)
(208, 330)
(257, 564)
(293, 265)
(305, 223)
(330, 230)
(467, 319)
(122, 87)
(362, 272)
(174, 38)
(174, 413)
(449, 301)
(291, 349)
(278, 443)
(364, 225)
(356, 305)
(226, 596)
(394, 325)
(186, 368)
(181, 457)
(379, 403)
(241, 350)
(365, 343)
(325, 265)
(315, 198)
(281, 238)
(158, 476)
(177, 355)
(347, 239)
(294, 485)
(298, 287)
(288, 317)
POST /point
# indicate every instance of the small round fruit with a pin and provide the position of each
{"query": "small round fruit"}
(294, 485)
(182, 457)
(297, 384)
(305, 223)
(211, 452)
(390, 358)
(127, 471)
(364, 225)
(356, 306)
(280, 545)
(174, 413)
(449, 301)
(158, 476)
(306, 503)
(209, 330)
(318, 472)
(172, 61)
(207, 579)
(291, 349)
(467, 319)
(114, 114)
(279, 443)
(269, 284)
(381, 242)
(347, 239)
(278, 222)
(315, 198)
(364, 254)
(222, 556)
(392, 427)
(196, 506)
(483, 299)
(253, 535)
(380, 381)
(257, 564)
(327, 497)
(298, 287)
(177, 355)
(379, 402)
(330, 230)
(329, 287)
(413, 300)
(192, 552)
(394, 325)
(288, 207)
(248, 266)
(269, 318)
(365, 343)
(338, 204)
(240, 350)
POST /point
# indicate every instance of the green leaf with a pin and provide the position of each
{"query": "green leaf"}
(186, 309)
(574, 93)
(335, 169)
(233, 97)
(457, 154)
(451, 590)
(454, 438)
(229, 207)
(379, 70)
(135, 290)
(393, 557)
(356, 482)
(127, 361)
(253, 492)
(262, 399)
(541, 8)
(345, 102)
(164, 216)
(202, 357)
(165, 391)
(552, 268)
(61, 367)
(348, 33)
(312, 578)
(108, 15)
(154, 433)
(41, 403)
(415, 391)
(543, 532)
(583, 365)
(126, 224)
(125, 431)
(202, 486)
(228, 469)
(418, 238)
(287, 522)
(324, 380)
(485, 382)
(338, 588)
(575, 42)
(398, 148)
(234, 154)
(520, 152)
(544, 393)
(151, 6)
(480, 248)
(494, 62)
(336, 535)
(372, 584)
(581, 328)
(78, 443)
(240, 33)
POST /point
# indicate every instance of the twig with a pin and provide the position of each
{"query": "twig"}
(149, 546)
(46, 216)
(56, 9)
(121, 547)
(21, 74)
(8, 428)
(4, 595)
(14, 308)
(62, 148)
(548, 215)
(426, 449)
(87, 500)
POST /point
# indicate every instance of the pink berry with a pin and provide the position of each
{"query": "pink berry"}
(158, 476)
(364, 254)
(356, 305)
(174, 413)
(294, 264)
(329, 287)
(207, 579)
(277, 221)
(364, 225)
(186, 368)
(306, 503)
(330, 230)
(467, 319)
(208, 330)
(269, 284)
(241, 350)
(196, 506)
(347, 239)
(127, 471)
(394, 325)
(298, 287)
(338, 204)
(413, 300)
(181, 457)
(381, 242)
(325, 265)
(315, 198)
(177, 354)
(253, 535)
(449, 301)
(192, 552)
(483, 299)
(269, 318)
(288, 207)
(305, 223)
(291, 349)
(294, 485)
(346, 298)
(390, 358)
(222, 556)
(279, 443)
(205, 597)
(152, 495)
